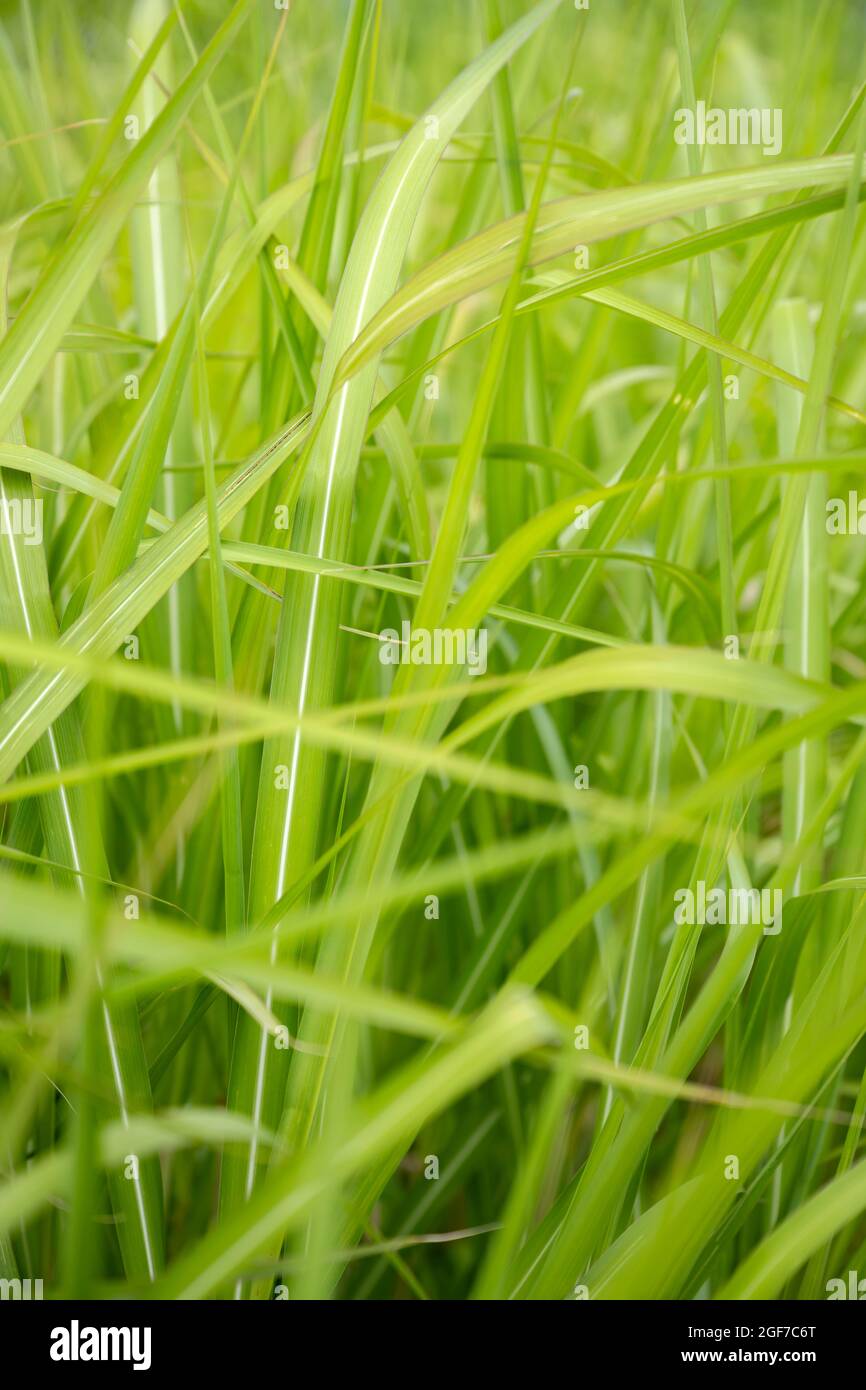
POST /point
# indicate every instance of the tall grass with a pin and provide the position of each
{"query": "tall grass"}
(327, 973)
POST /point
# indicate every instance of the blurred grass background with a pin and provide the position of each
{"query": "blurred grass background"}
(325, 978)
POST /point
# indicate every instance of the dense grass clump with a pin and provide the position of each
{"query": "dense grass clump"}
(433, 642)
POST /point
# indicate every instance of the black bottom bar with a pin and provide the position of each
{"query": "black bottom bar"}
(259, 1340)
